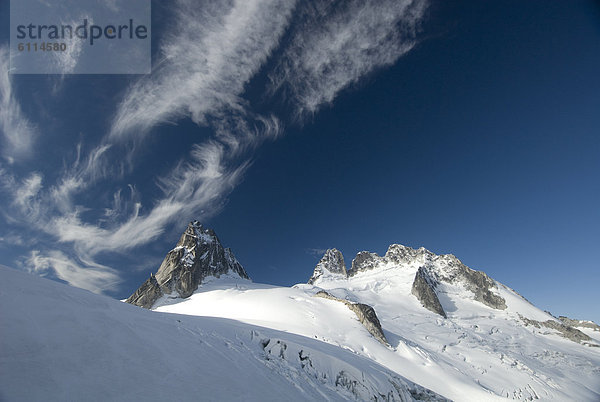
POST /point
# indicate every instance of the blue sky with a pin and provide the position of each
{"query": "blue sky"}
(468, 128)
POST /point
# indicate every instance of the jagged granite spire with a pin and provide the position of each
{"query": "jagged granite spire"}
(197, 255)
(332, 264)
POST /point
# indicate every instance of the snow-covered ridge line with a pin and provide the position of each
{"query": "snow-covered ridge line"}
(435, 276)
(432, 274)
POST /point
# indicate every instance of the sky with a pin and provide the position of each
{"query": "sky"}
(289, 127)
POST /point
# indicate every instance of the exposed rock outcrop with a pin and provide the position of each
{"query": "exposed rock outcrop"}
(332, 264)
(564, 330)
(434, 271)
(449, 269)
(197, 255)
(424, 290)
(403, 255)
(146, 294)
(579, 323)
(364, 261)
(365, 314)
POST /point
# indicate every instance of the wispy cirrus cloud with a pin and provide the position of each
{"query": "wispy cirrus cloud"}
(86, 275)
(27, 203)
(208, 59)
(191, 186)
(194, 187)
(26, 195)
(204, 63)
(12, 239)
(203, 66)
(316, 252)
(338, 43)
(18, 133)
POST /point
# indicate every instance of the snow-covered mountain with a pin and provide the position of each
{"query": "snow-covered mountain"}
(445, 326)
(409, 325)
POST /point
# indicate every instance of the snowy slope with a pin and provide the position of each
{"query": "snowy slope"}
(478, 353)
(59, 343)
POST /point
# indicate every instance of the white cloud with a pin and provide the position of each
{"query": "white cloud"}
(18, 133)
(337, 46)
(26, 194)
(316, 252)
(205, 63)
(191, 187)
(12, 239)
(86, 275)
(66, 61)
(62, 193)
(208, 59)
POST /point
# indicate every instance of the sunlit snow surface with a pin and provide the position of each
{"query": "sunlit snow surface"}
(58, 343)
(477, 354)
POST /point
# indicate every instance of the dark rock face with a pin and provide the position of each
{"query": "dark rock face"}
(480, 284)
(146, 294)
(364, 261)
(424, 290)
(568, 332)
(448, 269)
(365, 314)
(331, 263)
(476, 281)
(579, 323)
(564, 330)
(197, 255)
(399, 254)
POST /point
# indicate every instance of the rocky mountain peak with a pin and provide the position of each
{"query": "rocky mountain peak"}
(196, 233)
(434, 273)
(197, 255)
(364, 261)
(331, 264)
(399, 254)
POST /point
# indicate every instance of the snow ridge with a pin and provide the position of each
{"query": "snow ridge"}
(434, 271)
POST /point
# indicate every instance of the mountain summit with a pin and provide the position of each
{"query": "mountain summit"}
(332, 263)
(433, 274)
(197, 255)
